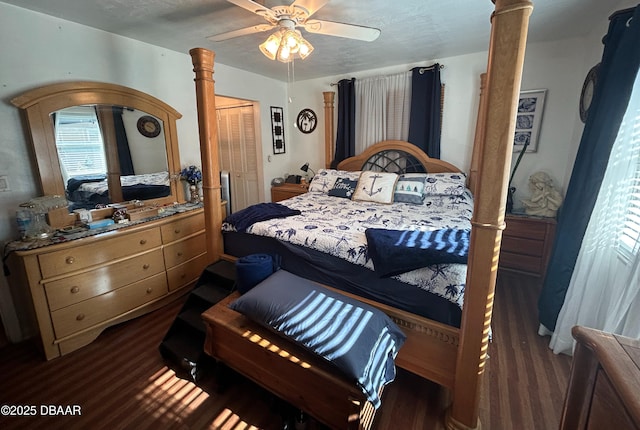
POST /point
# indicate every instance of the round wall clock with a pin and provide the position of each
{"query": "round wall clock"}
(148, 126)
(586, 97)
(307, 121)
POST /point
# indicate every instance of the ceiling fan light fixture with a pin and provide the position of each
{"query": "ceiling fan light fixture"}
(284, 54)
(284, 44)
(304, 49)
(270, 46)
(292, 39)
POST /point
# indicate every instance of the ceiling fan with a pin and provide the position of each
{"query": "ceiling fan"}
(286, 18)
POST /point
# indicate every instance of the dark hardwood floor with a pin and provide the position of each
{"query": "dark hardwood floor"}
(121, 382)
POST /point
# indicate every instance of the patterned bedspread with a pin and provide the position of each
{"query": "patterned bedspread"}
(337, 227)
(102, 187)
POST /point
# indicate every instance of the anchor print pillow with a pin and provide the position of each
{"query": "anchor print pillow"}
(375, 187)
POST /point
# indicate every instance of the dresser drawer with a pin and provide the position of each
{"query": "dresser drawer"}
(79, 316)
(182, 228)
(524, 246)
(525, 263)
(76, 288)
(187, 272)
(525, 227)
(80, 257)
(183, 250)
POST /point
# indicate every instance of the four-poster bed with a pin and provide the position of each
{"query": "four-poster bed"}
(452, 357)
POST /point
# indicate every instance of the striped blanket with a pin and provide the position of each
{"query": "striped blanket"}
(359, 340)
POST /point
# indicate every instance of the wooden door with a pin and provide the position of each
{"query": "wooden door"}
(239, 154)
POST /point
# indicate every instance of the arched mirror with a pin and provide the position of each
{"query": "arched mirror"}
(99, 143)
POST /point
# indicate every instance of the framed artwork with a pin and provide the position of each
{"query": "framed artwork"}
(528, 120)
(277, 130)
(306, 121)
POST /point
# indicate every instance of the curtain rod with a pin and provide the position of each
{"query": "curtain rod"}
(421, 70)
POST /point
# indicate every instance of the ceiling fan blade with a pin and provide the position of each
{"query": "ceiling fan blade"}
(309, 6)
(350, 31)
(241, 32)
(256, 8)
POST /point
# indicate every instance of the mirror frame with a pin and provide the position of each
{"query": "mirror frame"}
(38, 105)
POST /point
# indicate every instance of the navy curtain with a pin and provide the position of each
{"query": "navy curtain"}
(346, 133)
(124, 154)
(618, 69)
(424, 123)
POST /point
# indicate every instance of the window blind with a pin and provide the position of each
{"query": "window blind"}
(79, 142)
(629, 239)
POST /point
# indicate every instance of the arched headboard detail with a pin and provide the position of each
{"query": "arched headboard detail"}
(389, 152)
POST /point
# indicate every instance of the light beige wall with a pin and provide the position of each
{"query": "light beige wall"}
(37, 50)
(552, 66)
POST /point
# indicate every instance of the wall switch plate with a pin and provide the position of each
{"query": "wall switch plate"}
(4, 183)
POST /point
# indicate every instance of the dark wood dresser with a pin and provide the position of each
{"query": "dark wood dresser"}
(285, 191)
(604, 387)
(526, 244)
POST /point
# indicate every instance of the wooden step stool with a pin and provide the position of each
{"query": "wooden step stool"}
(287, 370)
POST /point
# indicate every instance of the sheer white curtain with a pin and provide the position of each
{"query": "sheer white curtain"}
(604, 292)
(383, 105)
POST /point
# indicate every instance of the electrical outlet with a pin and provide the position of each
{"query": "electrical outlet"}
(4, 183)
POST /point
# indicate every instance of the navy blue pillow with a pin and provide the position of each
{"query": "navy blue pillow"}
(344, 187)
(359, 339)
(398, 251)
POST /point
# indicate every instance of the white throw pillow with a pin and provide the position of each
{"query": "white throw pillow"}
(376, 187)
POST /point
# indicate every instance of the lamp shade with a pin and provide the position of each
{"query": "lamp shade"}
(270, 46)
(305, 168)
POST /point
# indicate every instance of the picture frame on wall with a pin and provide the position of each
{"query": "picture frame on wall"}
(277, 130)
(529, 119)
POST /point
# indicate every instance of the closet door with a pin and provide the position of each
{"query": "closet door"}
(236, 133)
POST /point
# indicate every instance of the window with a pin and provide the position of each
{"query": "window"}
(628, 142)
(79, 142)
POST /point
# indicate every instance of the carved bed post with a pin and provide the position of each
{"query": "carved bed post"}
(510, 21)
(202, 60)
(328, 127)
(478, 140)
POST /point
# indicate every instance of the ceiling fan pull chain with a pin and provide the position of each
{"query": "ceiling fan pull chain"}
(291, 78)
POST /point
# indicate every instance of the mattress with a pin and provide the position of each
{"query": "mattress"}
(328, 239)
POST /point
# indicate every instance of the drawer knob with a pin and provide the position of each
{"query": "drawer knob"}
(75, 290)
(176, 231)
(179, 253)
(149, 290)
(70, 260)
(143, 241)
(80, 317)
(145, 266)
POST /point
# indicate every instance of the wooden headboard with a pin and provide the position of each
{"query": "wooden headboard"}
(396, 156)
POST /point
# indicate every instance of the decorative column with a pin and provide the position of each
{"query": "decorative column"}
(329, 134)
(510, 22)
(202, 60)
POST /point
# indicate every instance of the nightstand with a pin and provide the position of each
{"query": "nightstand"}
(526, 244)
(285, 191)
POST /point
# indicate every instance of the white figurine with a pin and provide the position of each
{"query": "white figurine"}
(545, 199)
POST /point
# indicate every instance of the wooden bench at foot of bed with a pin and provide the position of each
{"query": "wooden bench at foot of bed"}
(285, 369)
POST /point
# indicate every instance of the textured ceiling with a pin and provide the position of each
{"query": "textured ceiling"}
(412, 31)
